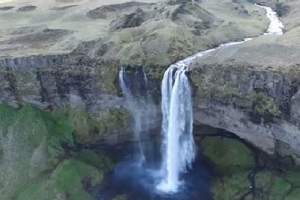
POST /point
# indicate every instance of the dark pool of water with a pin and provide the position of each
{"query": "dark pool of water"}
(139, 181)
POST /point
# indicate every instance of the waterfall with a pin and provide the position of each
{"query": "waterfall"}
(177, 127)
(139, 103)
(275, 26)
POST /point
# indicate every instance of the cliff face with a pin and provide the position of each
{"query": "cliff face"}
(258, 105)
(58, 80)
(238, 90)
(252, 89)
(131, 34)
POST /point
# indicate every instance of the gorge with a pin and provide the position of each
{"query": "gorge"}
(220, 124)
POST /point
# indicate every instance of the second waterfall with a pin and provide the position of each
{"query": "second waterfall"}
(178, 145)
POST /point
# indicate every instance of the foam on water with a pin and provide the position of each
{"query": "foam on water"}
(179, 150)
(275, 26)
(178, 146)
(139, 104)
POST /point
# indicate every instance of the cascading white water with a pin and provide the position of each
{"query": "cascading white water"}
(275, 26)
(140, 107)
(179, 150)
(178, 145)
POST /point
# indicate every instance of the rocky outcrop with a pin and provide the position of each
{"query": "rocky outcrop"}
(39, 158)
(258, 105)
(26, 8)
(254, 95)
(134, 19)
(64, 82)
(252, 90)
(262, 102)
(58, 79)
(244, 172)
(152, 35)
(160, 34)
(105, 11)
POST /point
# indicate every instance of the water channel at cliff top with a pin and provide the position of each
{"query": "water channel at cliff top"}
(170, 166)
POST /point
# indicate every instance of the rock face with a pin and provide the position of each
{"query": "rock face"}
(252, 90)
(243, 96)
(37, 156)
(134, 34)
(55, 80)
(69, 66)
(259, 106)
(243, 172)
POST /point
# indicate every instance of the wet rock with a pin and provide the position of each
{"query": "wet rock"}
(63, 7)
(53, 80)
(259, 106)
(131, 20)
(40, 158)
(172, 2)
(5, 8)
(281, 9)
(231, 152)
(243, 172)
(27, 8)
(104, 11)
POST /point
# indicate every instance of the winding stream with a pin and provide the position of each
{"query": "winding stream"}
(177, 170)
(177, 110)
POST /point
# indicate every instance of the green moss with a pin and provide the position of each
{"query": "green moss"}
(66, 125)
(111, 119)
(69, 175)
(234, 163)
(31, 148)
(293, 176)
(273, 185)
(295, 194)
(83, 125)
(263, 179)
(226, 152)
(231, 186)
(265, 105)
(99, 161)
(109, 75)
(7, 116)
(59, 126)
(207, 86)
(30, 143)
(66, 182)
(280, 187)
(155, 72)
(40, 189)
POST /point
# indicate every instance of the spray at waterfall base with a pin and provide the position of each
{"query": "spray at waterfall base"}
(177, 152)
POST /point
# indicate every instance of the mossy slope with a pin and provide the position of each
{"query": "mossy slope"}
(33, 163)
(244, 173)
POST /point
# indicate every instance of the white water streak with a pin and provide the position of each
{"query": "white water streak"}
(275, 26)
(178, 146)
(141, 109)
(179, 149)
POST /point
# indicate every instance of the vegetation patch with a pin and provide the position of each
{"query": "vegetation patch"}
(264, 104)
(243, 172)
(34, 163)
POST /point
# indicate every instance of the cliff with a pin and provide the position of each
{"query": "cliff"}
(252, 89)
(64, 58)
